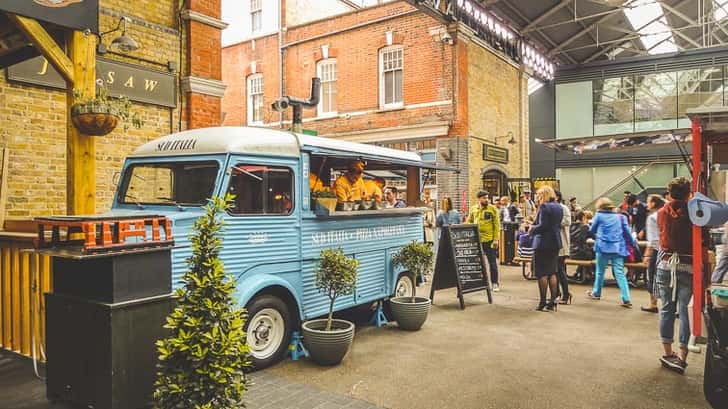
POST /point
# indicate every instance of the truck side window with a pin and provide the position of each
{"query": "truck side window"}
(261, 189)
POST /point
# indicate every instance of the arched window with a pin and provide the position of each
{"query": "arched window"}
(326, 70)
(255, 99)
(391, 77)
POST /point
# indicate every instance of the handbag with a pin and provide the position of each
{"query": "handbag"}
(635, 255)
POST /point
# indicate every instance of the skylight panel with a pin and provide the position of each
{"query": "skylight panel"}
(534, 85)
(720, 9)
(648, 19)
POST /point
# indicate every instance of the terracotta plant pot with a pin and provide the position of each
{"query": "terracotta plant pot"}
(410, 315)
(95, 121)
(327, 347)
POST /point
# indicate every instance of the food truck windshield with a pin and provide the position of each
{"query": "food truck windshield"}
(169, 183)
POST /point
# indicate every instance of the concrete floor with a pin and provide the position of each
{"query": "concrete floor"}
(586, 355)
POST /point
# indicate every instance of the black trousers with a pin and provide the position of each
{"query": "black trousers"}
(563, 279)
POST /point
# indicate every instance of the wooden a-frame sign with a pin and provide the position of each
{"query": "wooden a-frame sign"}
(460, 263)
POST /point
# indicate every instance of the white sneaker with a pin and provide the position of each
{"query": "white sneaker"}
(496, 288)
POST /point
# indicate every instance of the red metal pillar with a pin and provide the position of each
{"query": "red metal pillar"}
(699, 170)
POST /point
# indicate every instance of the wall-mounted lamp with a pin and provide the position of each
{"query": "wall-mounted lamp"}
(123, 43)
(511, 140)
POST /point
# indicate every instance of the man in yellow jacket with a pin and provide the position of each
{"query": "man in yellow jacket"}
(373, 189)
(485, 215)
(350, 186)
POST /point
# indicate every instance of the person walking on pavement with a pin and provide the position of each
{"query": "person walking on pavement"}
(485, 215)
(612, 232)
(564, 251)
(674, 278)
(654, 204)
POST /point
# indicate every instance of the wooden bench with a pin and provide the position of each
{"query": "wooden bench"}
(528, 274)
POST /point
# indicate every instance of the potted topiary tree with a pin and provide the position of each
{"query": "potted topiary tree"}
(100, 115)
(201, 363)
(328, 339)
(411, 312)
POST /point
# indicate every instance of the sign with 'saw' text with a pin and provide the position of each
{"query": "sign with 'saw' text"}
(139, 84)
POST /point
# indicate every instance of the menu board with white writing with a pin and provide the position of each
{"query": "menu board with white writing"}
(460, 262)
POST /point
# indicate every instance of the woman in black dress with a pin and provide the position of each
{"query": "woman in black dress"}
(546, 244)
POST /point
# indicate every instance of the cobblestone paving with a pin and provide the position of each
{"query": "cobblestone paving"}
(272, 392)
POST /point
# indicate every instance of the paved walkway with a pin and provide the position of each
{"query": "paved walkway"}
(20, 389)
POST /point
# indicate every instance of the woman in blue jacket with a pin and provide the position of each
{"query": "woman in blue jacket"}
(546, 233)
(612, 232)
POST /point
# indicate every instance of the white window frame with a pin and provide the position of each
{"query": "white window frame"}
(319, 72)
(256, 14)
(382, 52)
(249, 98)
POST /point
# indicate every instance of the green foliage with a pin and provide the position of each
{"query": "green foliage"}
(416, 259)
(201, 364)
(336, 276)
(104, 103)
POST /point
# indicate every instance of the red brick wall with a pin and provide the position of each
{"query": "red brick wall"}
(204, 60)
(428, 73)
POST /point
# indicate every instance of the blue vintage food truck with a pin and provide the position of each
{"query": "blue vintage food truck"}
(273, 235)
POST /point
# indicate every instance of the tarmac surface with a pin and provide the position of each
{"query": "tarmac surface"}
(592, 354)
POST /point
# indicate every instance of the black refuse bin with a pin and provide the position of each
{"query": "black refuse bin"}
(103, 318)
(715, 377)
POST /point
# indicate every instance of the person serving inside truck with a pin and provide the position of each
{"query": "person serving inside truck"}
(349, 187)
(373, 189)
(316, 184)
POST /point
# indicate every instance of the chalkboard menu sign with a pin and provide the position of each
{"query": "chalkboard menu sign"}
(460, 262)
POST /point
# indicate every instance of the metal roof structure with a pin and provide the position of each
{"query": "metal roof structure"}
(581, 31)
(264, 142)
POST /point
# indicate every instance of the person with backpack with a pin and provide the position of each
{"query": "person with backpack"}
(485, 215)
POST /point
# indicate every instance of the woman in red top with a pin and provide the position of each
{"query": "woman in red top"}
(674, 277)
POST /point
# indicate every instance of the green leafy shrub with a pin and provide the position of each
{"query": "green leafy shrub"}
(335, 276)
(104, 103)
(202, 362)
(416, 259)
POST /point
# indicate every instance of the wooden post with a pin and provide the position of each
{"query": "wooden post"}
(413, 185)
(80, 149)
(78, 68)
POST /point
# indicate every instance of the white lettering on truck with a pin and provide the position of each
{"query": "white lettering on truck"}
(361, 234)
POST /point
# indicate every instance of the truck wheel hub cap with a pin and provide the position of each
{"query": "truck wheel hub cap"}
(265, 333)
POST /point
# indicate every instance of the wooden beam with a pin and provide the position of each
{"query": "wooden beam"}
(45, 44)
(81, 151)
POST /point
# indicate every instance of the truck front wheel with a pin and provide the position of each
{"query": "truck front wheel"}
(268, 330)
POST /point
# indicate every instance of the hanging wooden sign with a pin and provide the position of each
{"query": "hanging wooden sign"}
(460, 263)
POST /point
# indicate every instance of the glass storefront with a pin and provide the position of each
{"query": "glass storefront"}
(636, 103)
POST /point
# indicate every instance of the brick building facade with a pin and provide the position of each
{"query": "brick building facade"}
(392, 75)
(33, 117)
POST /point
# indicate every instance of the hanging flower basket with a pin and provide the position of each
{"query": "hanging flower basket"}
(99, 115)
(94, 120)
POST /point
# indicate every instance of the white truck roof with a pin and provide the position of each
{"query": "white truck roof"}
(259, 141)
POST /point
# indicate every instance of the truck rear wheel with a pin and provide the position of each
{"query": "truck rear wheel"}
(404, 286)
(268, 330)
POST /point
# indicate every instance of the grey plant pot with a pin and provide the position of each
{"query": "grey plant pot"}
(410, 315)
(327, 347)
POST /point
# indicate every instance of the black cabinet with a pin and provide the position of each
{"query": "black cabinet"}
(102, 321)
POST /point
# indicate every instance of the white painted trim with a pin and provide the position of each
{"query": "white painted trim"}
(249, 101)
(319, 111)
(429, 104)
(382, 104)
(205, 86)
(411, 132)
(204, 19)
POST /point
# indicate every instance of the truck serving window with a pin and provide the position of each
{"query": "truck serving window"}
(261, 189)
(180, 183)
